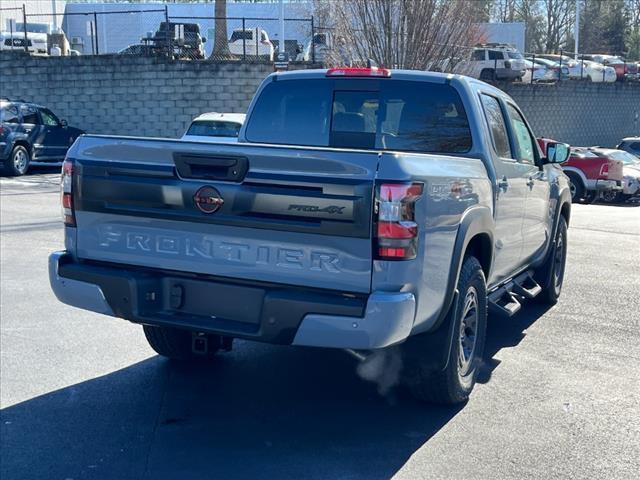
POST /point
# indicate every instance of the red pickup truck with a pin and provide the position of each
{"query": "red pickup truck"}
(590, 173)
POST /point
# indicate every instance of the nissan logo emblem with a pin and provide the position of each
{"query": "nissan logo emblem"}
(208, 199)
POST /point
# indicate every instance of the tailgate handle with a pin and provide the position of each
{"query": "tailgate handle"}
(211, 167)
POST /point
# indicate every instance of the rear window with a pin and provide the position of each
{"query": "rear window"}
(399, 115)
(478, 55)
(241, 35)
(213, 128)
(625, 157)
(9, 114)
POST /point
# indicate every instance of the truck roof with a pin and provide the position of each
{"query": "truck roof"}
(397, 74)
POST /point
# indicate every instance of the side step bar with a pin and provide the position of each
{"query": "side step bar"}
(506, 300)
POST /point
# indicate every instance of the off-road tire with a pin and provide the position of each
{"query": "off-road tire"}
(577, 188)
(488, 75)
(613, 197)
(453, 385)
(550, 276)
(175, 343)
(10, 164)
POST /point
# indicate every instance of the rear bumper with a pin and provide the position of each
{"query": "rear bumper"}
(631, 186)
(251, 310)
(509, 74)
(604, 185)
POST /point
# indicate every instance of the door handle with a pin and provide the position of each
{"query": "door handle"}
(503, 184)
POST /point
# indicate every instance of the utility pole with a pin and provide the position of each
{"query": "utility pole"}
(576, 30)
(281, 47)
(24, 24)
(55, 16)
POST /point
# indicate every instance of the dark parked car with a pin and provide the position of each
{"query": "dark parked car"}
(183, 39)
(140, 50)
(31, 133)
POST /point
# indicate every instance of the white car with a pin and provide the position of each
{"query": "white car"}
(493, 61)
(630, 172)
(245, 42)
(575, 70)
(318, 50)
(598, 73)
(538, 72)
(631, 145)
(36, 43)
(215, 127)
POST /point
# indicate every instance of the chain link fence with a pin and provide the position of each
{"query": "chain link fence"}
(153, 32)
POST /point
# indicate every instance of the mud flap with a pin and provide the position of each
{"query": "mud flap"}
(432, 349)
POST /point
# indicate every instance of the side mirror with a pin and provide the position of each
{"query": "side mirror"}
(558, 152)
(63, 123)
(204, 39)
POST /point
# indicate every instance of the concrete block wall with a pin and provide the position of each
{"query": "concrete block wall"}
(129, 95)
(581, 113)
(152, 97)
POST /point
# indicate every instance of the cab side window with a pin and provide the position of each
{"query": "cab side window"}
(29, 115)
(495, 55)
(497, 126)
(524, 142)
(48, 118)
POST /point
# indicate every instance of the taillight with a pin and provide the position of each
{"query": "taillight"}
(66, 191)
(396, 231)
(604, 170)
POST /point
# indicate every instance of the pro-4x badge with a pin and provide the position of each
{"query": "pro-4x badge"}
(332, 209)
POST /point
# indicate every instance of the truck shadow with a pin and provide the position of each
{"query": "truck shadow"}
(505, 333)
(259, 412)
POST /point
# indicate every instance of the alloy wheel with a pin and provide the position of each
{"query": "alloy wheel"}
(468, 334)
(20, 161)
(559, 263)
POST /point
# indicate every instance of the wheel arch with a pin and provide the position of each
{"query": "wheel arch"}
(577, 172)
(565, 211)
(23, 143)
(475, 235)
(480, 246)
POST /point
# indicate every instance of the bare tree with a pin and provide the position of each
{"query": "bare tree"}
(505, 10)
(530, 12)
(559, 21)
(220, 42)
(409, 34)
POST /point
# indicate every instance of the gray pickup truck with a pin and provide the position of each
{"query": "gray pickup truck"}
(361, 209)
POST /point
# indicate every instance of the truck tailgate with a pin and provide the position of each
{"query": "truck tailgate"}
(299, 216)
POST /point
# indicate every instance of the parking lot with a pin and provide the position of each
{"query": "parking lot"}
(83, 396)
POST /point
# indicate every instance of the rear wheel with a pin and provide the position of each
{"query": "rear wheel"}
(469, 316)
(575, 186)
(18, 162)
(551, 275)
(610, 196)
(176, 344)
(488, 75)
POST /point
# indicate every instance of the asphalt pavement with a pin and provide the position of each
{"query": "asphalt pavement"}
(83, 396)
